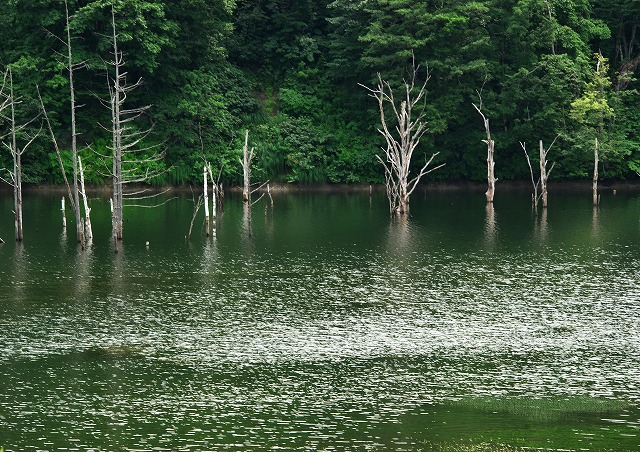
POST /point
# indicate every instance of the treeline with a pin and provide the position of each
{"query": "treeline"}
(288, 70)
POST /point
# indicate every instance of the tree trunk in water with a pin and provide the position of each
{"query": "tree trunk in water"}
(64, 214)
(117, 138)
(206, 202)
(543, 175)
(87, 209)
(403, 203)
(402, 136)
(491, 178)
(74, 148)
(18, 199)
(17, 167)
(246, 168)
(595, 175)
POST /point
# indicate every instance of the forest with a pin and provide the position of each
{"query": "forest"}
(291, 72)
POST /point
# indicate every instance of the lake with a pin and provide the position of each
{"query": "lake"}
(329, 327)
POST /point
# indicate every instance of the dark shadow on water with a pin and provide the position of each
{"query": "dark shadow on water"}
(569, 423)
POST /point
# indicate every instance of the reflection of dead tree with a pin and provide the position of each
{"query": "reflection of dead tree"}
(401, 140)
(544, 174)
(8, 100)
(491, 177)
(130, 162)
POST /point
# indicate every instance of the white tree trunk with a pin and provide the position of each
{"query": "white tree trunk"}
(401, 139)
(247, 156)
(87, 210)
(64, 213)
(543, 175)
(17, 166)
(596, 199)
(74, 146)
(491, 178)
(206, 202)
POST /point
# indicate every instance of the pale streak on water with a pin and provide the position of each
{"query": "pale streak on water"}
(241, 346)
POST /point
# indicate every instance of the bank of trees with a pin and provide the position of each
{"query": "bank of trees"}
(289, 72)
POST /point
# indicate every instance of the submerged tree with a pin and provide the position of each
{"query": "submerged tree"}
(131, 162)
(402, 134)
(8, 100)
(491, 164)
(74, 193)
(544, 175)
(247, 156)
(74, 135)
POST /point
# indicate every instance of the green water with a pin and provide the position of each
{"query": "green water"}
(330, 327)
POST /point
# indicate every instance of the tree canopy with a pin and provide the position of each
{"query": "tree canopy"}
(289, 71)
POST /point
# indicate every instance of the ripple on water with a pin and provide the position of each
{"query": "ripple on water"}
(315, 351)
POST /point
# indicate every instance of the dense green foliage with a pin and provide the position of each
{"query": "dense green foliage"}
(289, 71)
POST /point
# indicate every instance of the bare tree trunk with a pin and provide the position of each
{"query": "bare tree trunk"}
(64, 214)
(543, 176)
(491, 178)
(57, 149)
(196, 209)
(206, 202)
(534, 183)
(247, 156)
(74, 147)
(596, 198)
(401, 140)
(17, 166)
(129, 159)
(117, 136)
(214, 196)
(87, 209)
(9, 100)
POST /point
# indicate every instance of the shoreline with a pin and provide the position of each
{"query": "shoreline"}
(440, 186)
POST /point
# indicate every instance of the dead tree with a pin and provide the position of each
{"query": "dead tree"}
(74, 141)
(402, 138)
(247, 156)
(87, 210)
(491, 178)
(215, 196)
(596, 197)
(62, 168)
(544, 174)
(8, 100)
(130, 161)
(73, 193)
(206, 203)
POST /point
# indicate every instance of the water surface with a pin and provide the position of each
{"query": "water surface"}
(329, 327)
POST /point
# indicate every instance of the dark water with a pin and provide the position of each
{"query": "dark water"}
(331, 327)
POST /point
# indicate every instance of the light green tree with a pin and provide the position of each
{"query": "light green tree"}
(592, 111)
